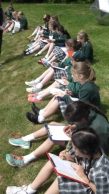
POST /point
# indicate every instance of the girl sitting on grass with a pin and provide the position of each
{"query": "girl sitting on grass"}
(89, 162)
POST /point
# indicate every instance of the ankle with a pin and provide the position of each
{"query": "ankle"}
(30, 190)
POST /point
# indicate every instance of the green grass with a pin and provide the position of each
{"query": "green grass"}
(15, 70)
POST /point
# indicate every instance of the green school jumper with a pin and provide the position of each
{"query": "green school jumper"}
(99, 123)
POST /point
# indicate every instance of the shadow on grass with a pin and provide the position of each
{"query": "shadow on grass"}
(12, 58)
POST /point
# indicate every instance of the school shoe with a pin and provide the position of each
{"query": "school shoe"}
(35, 109)
(32, 83)
(13, 160)
(33, 89)
(28, 53)
(32, 95)
(20, 143)
(34, 99)
(17, 190)
(32, 117)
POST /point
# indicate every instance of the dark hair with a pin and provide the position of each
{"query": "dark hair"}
(73, 43)
(46, 18)
(78, 110)
(86, 140)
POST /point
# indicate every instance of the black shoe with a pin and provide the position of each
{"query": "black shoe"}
(35, 109)
(32, 117)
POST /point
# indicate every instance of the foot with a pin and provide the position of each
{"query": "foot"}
(34, 99)
(32, 117)
(13, 160)
(32, 95)
(20, 143)
(32, 83)
(33, 89)
(17, 190)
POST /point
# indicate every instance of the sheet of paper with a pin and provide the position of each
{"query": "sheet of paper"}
(64, 168)
(104, 5)
(74, 99)
(57, 133)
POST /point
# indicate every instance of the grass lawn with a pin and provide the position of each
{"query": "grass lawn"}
(16, 69)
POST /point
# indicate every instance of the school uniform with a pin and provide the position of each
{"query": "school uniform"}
(23, 23)
(60, 42)
(65, 71)
(100, 124)
(87, 92)
(85, 53)
(98, 174)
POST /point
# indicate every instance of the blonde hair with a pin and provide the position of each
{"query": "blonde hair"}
(85, 69)
(83, 35)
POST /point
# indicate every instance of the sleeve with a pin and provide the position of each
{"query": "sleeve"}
(101, 182)
(74, 87)
(84, 95)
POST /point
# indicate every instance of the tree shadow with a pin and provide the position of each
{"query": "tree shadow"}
(12, 58)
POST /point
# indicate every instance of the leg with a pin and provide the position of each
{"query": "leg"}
(50, 49)
(42, 176)
(40, 179)
(46, 91)
(46, 146)
(52, 59)
(44, 49)
(48, 77)
(54, 189)
(21, 161)
(51, 108)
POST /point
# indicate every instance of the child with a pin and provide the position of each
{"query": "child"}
(77, 114)
(83, 88)
(89, 162)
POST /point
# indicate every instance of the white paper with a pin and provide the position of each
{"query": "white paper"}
(104, 5)
(74, 99)
(57, 133)
(64, 167)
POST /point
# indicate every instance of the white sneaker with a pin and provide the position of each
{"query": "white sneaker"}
(32, 83)
(17, 190)
(33, 89)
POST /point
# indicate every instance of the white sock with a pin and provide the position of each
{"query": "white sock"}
(30, 190)
(41, 118)
(28, 158)
(37, 80)
(41, 111)
(39, 85)
(29, 137)
(31, 51)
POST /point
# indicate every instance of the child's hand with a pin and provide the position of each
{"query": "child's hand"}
(64, 155)
(68, 129)
(65, 81)
(68, 92)
(80, 171)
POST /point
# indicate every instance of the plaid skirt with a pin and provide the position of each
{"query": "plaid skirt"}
(42, 44)
(59, 53)
(62, 104)
(67, 186)
(59, 73)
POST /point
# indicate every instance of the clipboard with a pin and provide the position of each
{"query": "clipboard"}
(63, 168)
(56, 133)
